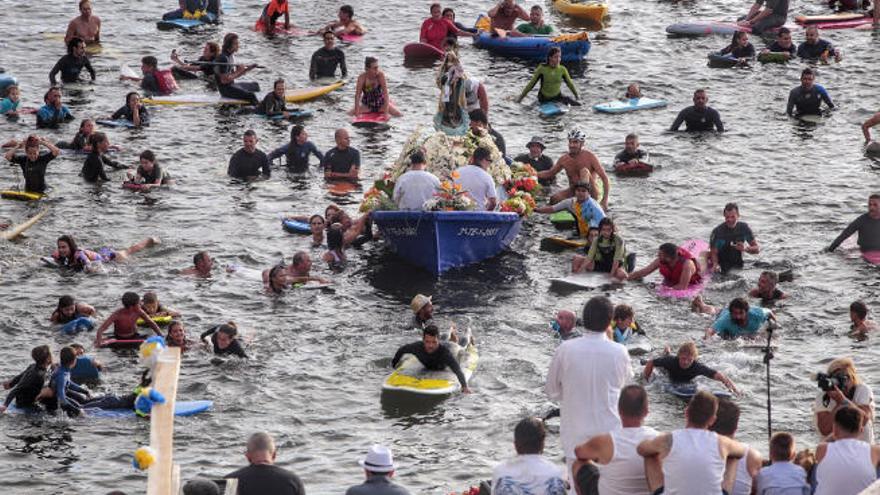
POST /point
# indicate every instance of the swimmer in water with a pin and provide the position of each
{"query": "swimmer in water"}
(685, 367)
(25, 388)
(151, 305)
(68, 255)
(9, 104)
(124, 320)
(69, 309)
(276, 280)
(271, 13)
(133, 111)
(552, 74)
(344, 25)
(202, 265)
(335, 255)
(224, 341)
(149, 174)
(624, 324)
(633, 91)
(861, 325)
(739, 47)
(177, 336)
(766, 289)
(71, 65)
(371, 91)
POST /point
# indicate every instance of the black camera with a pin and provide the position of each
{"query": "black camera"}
(827, 382)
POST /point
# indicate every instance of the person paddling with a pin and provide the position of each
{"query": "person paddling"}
(226, 71)
(677, 266)
(432, 355)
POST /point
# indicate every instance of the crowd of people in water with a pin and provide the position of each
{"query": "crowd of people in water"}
(607, 446)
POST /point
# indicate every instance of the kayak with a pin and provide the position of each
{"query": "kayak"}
(421, 50)
(629, 105)
(639, 169)
(574, 47)
(305, 94)
(552, 109)
(296, 227)
(584, 281)
(562, 220)
(591, 11)
(194, 99)
(706, 28)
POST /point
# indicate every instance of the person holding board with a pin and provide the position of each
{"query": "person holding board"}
(432, 355)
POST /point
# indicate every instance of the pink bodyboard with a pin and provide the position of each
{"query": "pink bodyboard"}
(698, 248)
(872, 257)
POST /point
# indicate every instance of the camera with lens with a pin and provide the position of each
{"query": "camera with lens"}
(827, 382)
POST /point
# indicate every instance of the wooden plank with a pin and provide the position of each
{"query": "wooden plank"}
(165, 375)
(15, 231)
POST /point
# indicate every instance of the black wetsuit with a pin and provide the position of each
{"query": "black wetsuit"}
(723, 238)
(698, 121)
(808, 51)
(26, 386)
(125, 113)
(625, 156)
(34, 171)
(747, 51)
(93, 168)
(869, 233)
(151, 178)
(225, 64)
(341, 161)
(243, 165)
(499, 141)
(679, 375)
(233, 349)
(70, 68)
(540, 164)
(436, 361)
(272, 105)
(808, 101)
(324, 63)
(777, 48)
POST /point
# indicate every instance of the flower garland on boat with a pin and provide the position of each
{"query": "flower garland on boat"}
(522, 184)
(380, 196)
(450, 197)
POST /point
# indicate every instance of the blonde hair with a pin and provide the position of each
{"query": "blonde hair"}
(846, 365)
(690, 349)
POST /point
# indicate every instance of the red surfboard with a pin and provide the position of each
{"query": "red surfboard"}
(422, 50)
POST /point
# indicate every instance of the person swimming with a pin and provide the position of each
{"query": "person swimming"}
(224, 341)
(68, 255)
(124, 320)
(69, 309)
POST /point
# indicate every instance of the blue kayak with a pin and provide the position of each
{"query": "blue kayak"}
(440, 240)
(532, 47)
(181, 408)
(630, 105)
(296, 227)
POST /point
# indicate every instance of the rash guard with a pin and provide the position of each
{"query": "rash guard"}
(551, 81)
(808, 101)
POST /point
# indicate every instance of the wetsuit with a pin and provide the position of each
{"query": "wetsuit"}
(698, 120)
(529, 28)
(777, 48)
(747, 51)
(93, 168)
(551, 84)
(869, 233)
(243, 165)
(225, 64)
(233, 349)
(808, 101)
(324, 63)
(723, 239)
(604, 252)
(435, 361)
(78, 142)
(677, 374)
(272, 105)
(499, 142)
(297, 155)
(540, 164)
(774, 20)
(125, 113)
(815, 50)
(68, 395)
(26, 386)
(149, 84)
(625, 156)
(49, 116)
(775, 296)
(151, 178)
(34, 171)
(341, 161)
(70, 67)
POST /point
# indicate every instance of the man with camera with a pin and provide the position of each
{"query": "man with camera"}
(842, 387)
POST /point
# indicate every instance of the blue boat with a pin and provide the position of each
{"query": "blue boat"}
(440, 240)
(532, 47)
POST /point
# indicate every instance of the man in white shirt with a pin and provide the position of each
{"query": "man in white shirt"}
(846, 465)
(528, 472)
(586, 376)
(621, 469)
(416, 185)
(477, 182)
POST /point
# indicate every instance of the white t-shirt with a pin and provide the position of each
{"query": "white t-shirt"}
(478, 183)
(528, 473)
(413, 188)
(586, 376)
(861, 397)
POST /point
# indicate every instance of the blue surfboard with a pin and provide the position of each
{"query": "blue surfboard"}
(181, 408)
(116, 123)
(77, 325)
(688, 390)
(296, 227)
(552, 109)
(629, 105)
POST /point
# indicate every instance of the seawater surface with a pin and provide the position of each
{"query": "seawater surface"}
(318, 359)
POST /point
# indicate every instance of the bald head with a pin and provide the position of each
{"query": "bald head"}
(566, 320)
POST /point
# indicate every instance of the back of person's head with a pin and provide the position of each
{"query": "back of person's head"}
(130, 299)
(41, 353)
(481, 154)
(417, 158)
(782, 447)
(150, 61)
(198, 257)
(95, 139)
(727, 418)
(228, 330)
(67, 356)
(431, 330)
(478, 116)
(669, 249)
(633, 402)
(65, 301)
(261, 442)
(738, 303)
(597, 314)
(701, 409)
(848, 419)
(299, 258)
(528, 436)
(201, 486)
(860, 309)
(334, 238)
(150, 297)
(623, 312)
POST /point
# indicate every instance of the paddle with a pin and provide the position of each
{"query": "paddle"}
(201, 62)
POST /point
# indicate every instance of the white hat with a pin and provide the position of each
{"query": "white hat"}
(419, 302)
(378, 460)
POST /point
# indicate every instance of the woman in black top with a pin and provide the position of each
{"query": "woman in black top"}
(93, 168)
(223, 339)
(33, 163)
(133, 111)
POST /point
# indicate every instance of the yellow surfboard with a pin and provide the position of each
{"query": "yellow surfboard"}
(305, 94)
